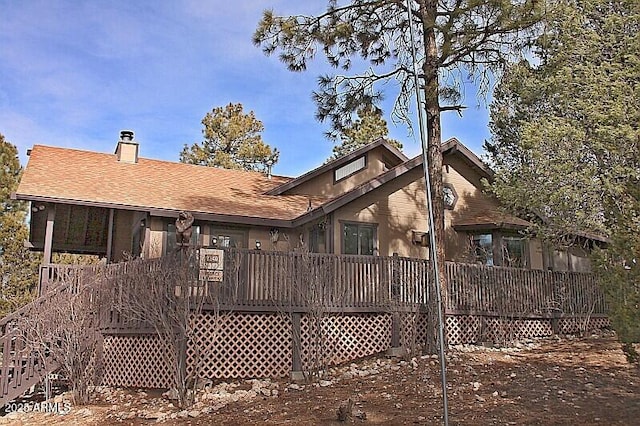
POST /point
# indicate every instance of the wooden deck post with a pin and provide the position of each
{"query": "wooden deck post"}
(296, 358)
(396, 349)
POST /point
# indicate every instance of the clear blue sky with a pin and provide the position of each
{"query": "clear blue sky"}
(75, 73)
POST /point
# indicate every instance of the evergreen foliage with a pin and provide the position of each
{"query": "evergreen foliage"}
(369, 126)
(566, 140)
(232, 140)
(18, 266)
(456, 41)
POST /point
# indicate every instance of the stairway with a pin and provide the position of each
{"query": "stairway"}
(23, 363)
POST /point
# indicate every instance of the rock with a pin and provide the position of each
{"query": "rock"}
(171, 394)
(344, 410)
(295, 386)
(194, 413)
(154, 415)
(480, 398)
(265, 392)
(84, 412)
(476, 385)
(325, 383)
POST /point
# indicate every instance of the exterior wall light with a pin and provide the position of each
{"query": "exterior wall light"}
(258, 245)
(214, 241)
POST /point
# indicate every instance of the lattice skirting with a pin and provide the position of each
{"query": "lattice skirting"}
(135, 361)
(246, 345)
(335, 339)
(473, 329)
(235, 345)
(577, 325)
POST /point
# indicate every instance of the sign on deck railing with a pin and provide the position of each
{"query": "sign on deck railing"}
(244, 279)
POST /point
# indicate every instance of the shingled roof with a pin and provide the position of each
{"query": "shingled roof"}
(89, 178)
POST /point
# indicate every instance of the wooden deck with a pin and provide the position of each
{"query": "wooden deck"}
(265, 281)
(250, 282)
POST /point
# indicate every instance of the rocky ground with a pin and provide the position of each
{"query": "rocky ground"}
(554, 381)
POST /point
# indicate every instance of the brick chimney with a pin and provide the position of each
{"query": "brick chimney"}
(127, 149)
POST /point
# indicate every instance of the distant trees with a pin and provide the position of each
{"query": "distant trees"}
(18, 266)
(566, 140)
(369, 126)
(456, 40)
(232, 140)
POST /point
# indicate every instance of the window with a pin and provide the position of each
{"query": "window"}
(482, 245)
(229, 238)
(509, 250)
(514, 252)
(358, 238)
(170, 242)
(349, 168)
(317, 239)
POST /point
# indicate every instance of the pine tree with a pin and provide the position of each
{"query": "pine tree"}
(456, 40)
(369, 126)
(566, 141)
(18, 266)
(232, 140)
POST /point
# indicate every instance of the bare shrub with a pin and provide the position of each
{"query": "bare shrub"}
(65, 332)
(165, 295)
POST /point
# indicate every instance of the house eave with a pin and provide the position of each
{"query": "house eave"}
(214, 217)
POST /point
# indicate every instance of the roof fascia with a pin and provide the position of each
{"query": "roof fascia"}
(243, 220)
(358, 191)
(279, 190)
(487, 226)
(454, 146)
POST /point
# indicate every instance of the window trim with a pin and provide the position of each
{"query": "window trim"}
(372, 225)
(364, 167)
(498, 246)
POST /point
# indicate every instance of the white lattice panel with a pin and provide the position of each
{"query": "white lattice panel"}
(413, 331)
(135, 361)
(238, 345)
(335, 339)
(463, 329)
(579, 325)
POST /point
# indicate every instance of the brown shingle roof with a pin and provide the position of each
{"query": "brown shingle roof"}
(69, 175)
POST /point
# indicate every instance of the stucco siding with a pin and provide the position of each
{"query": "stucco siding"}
(395, 208)
(324, 185)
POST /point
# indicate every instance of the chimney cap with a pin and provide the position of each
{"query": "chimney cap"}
(126, 135)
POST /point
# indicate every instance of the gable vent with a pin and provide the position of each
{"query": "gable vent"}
(350, 168)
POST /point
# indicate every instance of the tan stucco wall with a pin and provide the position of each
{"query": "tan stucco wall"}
(323, 184)
(394, 207)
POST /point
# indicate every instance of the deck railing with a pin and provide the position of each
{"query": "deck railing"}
(255, 280)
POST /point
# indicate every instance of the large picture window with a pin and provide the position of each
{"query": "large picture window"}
(497, 249)
(359, 238)
(233, 238)
(514, 252)
(482, 245)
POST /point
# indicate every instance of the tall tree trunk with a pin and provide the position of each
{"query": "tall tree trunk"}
(434, 156)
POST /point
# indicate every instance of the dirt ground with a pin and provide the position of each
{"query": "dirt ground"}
(555, 381)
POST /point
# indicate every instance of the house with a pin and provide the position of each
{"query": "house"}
(370, 202)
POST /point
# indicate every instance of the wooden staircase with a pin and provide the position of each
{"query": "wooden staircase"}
(24, 364)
